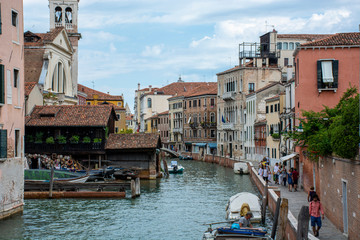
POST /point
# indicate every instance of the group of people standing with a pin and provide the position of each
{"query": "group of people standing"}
(280, 174)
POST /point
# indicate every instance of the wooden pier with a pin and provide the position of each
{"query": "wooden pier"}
(113, 189)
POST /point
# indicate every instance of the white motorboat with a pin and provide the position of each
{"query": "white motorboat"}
(242, 203)
(241, 168)
(174, 167)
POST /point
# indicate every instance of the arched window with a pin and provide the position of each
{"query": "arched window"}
(58, 83)
(279, 45)
(149, 102)
(58, 15)
(291, 46)
(285, 46)
(68, 15)
(212, 117)
(297, 44)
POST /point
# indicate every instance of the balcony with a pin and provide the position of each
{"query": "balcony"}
(208, 125)
(228, 126)
(193, 125)
(228, 96)
(67, 148)
(177, 130)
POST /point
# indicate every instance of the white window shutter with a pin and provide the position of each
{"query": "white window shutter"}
(9, 87)
(327, 73)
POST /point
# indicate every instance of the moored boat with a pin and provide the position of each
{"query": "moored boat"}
(241, 168)
(234, 232)
(44, 175)
(174, 167)
(242, 203)
(185, 157)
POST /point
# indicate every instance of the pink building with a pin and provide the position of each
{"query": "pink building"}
(324, 70)
(12, 108)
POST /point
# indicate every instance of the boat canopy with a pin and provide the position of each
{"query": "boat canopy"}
(212, 145)
(288, 157)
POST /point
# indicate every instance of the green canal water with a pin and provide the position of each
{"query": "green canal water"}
(168, 208)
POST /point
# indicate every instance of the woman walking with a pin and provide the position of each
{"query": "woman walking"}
(290, 181)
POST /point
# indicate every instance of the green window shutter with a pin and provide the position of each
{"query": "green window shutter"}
(0, 21)
(319, 75)
(335, 65)
(2, 84)
(3, 143)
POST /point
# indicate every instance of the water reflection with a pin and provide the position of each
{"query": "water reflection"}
(171, 208)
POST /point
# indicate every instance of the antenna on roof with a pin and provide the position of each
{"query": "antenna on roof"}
(180, 79)
(93, 82)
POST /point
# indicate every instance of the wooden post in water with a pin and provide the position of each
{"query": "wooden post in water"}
(53, 156)
(165, 167)
(264, 204)
(137, 187)
(303, 224)
(276, 216)
(133, 188)
(284, 209)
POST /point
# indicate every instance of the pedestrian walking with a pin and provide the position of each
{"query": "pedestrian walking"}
(311, 194)
(261, 170)
(265, 173)
(276, 173)
(290, 181)
(315, 211)
(284, 176)
(295, 176)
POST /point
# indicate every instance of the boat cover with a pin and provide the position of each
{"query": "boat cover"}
(243, 231)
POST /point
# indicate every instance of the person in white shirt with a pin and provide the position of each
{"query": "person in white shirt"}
(276, 173)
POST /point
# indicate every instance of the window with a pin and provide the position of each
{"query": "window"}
(58, 15)
(184, 104)
(267, 109)
(14, 18)
(212, 132)
(189, 104)
(194, 103)
(212, 117)
(251, 87)
(297, 44)
(3, 143)
(2, 84)
(16, 78)
(285, 46)
(149, 102)
(15, 23)
(118, 116)
(276, 108)
(68, 15)
(116, 129)
(291, 46)
(199, 102)
(9, 87)
(286, 61)
(88, 103)
(279, 45)
(272, 108)
(17, 143)
(212, 102)
(327, 74)
(119, 104)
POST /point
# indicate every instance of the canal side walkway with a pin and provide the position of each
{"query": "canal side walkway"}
(299, 199)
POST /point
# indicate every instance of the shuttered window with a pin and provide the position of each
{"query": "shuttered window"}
(3, 143)
(2, 84)
(327, 74)
(9, 87)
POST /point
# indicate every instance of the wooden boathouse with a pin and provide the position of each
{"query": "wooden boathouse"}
(135, 151)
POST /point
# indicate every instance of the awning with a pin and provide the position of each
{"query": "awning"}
(188, 143)
(200, 144)
(212, 145)
(288, 157)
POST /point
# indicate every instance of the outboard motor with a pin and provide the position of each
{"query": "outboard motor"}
(175, 168)
(241, 171)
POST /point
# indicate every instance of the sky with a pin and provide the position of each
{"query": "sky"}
(153, 42)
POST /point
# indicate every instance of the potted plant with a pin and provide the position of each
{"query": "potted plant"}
(38, 137)
(74, 139)
(97, 140)
(275, 135)
(61, 139)
(86, 139)
(29, 138)
(50, 140)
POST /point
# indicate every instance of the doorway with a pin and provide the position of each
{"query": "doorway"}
(345, 206)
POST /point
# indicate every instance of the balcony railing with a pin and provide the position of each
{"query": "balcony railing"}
(228, 126)
(193, 125)
(208, 124)
(228, 96)
(63, 148)
(177, 130)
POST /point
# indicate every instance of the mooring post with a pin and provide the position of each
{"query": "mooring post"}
(133, 188)
(303, 224)
(53, 157)
(276, 216)
(165, 167)
(137, 186)
(264, 204)
(284, 209)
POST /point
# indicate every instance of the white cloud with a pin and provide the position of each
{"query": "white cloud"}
(152, 51)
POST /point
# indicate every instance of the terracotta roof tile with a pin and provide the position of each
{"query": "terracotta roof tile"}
(176, 88)
(29, 87)
(133, 141)
(339, 39)
(210, 88)
(40, 39)
(101, 96)
(70, 115)
(308, 37)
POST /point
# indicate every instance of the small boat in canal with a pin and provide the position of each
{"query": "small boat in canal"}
(234, 232)
(185, 157)
(174, 167)
(242, 203)
(125, 174)
(44, 175)
(241, 168)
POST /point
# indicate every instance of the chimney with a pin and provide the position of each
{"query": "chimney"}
(150, 88)
(289, 72)
(138, 86)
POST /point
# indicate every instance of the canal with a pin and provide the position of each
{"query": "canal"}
(168, 208)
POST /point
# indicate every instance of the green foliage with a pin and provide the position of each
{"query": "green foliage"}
(126, 131)
(29, 138)
(38, 137)
(97, 140)
(86, 139)
(275, 135)
(74, 139)
(50, 140)
(106, 132)
(332, 130)
(61, 139)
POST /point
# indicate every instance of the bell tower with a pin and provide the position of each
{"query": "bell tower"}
(64, 13)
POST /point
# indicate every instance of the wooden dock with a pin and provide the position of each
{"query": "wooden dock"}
(113, 189)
